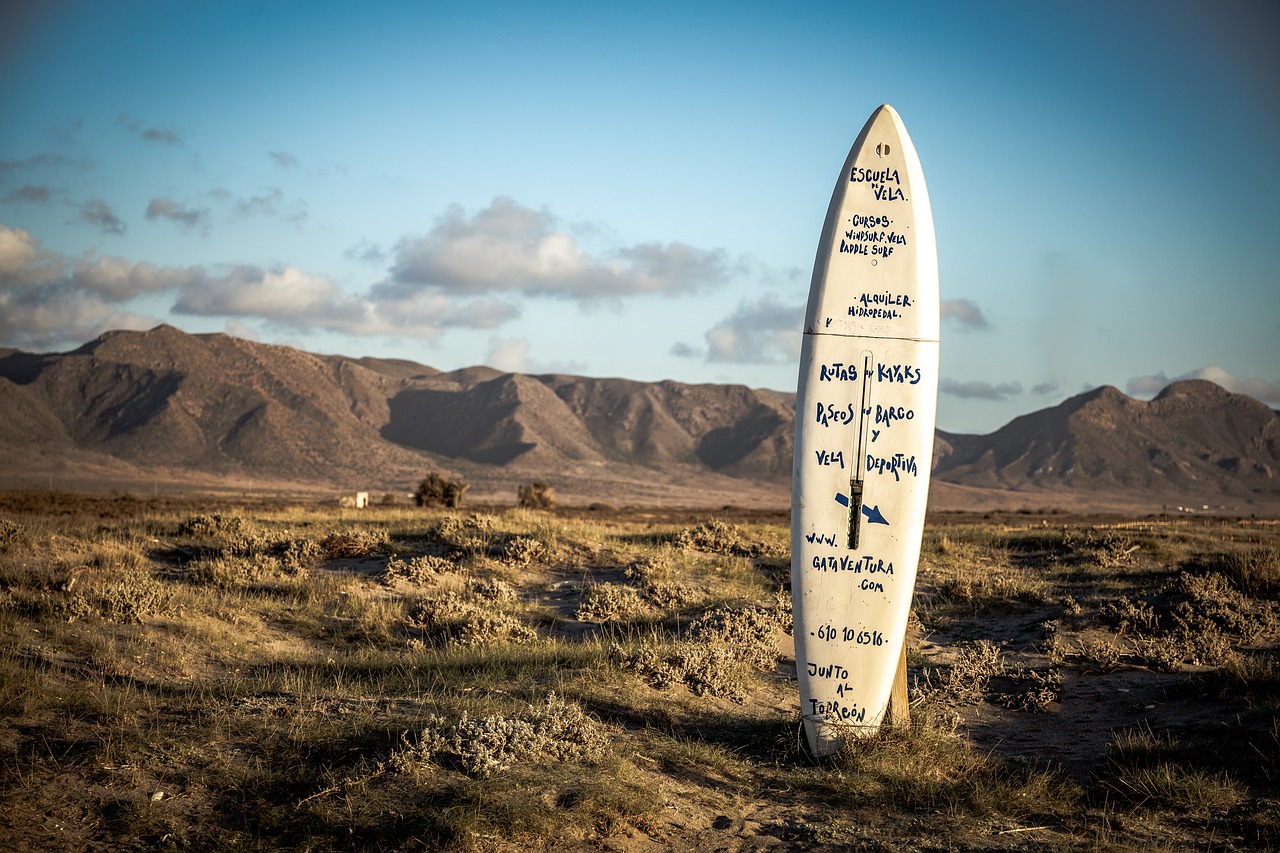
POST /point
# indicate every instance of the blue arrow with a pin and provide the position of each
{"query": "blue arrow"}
(873, 515)
(842, 499)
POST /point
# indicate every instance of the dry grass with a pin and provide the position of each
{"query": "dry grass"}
(282, 676)
(1148, 771)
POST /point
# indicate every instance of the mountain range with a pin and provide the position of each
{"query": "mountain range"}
(215, 411)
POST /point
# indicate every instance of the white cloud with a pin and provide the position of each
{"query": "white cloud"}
(44, 161)
(1263, 389)
(366, 252)
(762, 332)
(1147, 386)
(31, 193)
(262, 293)
(117, 280)
(167, 135)
(680, 349)
(964, 314)
(293, 298)
(22, 261)
(48, 300)
(268, 202)
(242, 330)
(32, 320)
(265, 202)
(976, 390)
(510, 355)
(97, 212)
(434, 309)
(167, 208)
(507, 247)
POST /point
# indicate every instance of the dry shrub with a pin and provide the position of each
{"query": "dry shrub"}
(253, 543)
(212, 526)
(1052, 645)
(653, 575)
(1215, 598)
(457, 619)
(484, 627)
(299, 556)
(715, 536)
(974, 667)
(711, 670)
(11, 533)
(116, 587)
(1211, 590)
(1214, 617)
(418, 570)
(521, 551)
(1200, 638)
(1113, 550)
(229, 571)
(707, 670)
(1208, 618)
(751, 631)
(1036, 690)
(723, 649)
(656, 665)
(609, 602)
(1130, 615)
(495, 590)
(353, 543)
(659, 566)
(556, 731)
(721, 537)
(452, 525)
(237, 538)
(470, 535)
(435, 490)
(992, 587)
(536, 495)
(1159, 653)
(1101, 654)
(674, 595)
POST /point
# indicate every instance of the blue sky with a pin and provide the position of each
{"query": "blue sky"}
(637, 191)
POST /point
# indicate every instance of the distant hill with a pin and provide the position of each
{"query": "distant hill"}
(1194, 444)
(163, 404)
(129, 403)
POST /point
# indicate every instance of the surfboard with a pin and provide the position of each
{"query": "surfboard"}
(866, 405)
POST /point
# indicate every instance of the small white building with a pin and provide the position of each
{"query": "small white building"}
(359, 500)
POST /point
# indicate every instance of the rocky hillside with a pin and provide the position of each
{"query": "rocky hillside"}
(1194, 444)
(223, 407)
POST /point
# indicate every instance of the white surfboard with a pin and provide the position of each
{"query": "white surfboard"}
(865, 413)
